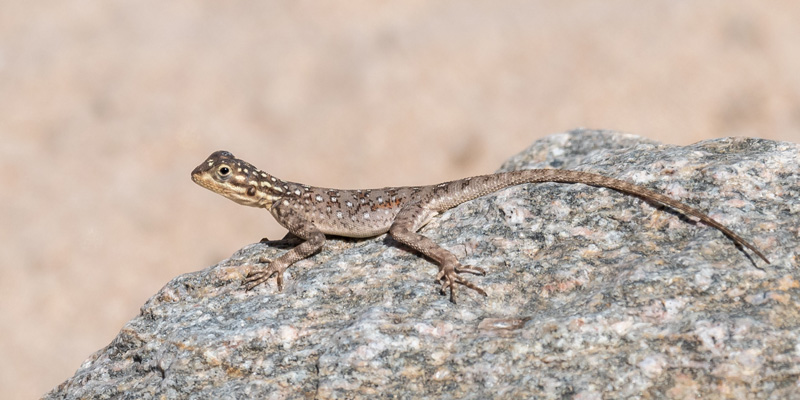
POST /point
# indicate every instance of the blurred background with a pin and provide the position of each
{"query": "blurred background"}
(105, 108)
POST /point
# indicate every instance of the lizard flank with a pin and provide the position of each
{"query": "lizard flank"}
(310, 212)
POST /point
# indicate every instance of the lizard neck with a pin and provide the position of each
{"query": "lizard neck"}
(269, 190)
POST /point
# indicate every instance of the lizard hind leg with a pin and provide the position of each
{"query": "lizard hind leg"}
(404, 231)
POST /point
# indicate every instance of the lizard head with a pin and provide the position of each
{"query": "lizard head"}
(237, 180)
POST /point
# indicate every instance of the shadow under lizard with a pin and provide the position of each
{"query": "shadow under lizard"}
(310, 212)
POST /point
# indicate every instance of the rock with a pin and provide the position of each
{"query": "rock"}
(592, 294)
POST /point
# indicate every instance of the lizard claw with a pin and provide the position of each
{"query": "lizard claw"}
(261, 275)
(449, 276)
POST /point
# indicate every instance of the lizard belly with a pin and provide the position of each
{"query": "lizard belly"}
(363, 231)
(356, 223)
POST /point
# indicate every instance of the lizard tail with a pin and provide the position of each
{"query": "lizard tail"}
(481, 185)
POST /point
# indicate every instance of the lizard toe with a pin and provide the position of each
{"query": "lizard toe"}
(470, 269)
(449, 278)
(257, 277)
(254, 279)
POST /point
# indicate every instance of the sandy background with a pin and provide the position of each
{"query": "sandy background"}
(105, 108)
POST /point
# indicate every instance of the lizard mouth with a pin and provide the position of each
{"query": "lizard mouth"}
(197, 177)
(201, 178)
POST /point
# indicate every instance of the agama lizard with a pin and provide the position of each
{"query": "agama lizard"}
(310, 212)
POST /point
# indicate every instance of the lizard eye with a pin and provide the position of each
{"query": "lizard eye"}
(224, 171)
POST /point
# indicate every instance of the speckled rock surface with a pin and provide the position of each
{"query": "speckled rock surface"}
(592, 294)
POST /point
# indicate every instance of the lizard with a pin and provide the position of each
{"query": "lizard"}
(311, 213)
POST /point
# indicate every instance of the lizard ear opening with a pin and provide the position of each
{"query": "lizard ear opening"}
(251, 191)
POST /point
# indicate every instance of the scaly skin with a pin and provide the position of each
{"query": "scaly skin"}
(310, 212)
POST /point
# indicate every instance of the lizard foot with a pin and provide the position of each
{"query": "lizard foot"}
(261, 275)
(449, 276)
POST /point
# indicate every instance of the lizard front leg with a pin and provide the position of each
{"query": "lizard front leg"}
(298, 226)
(408, 221)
